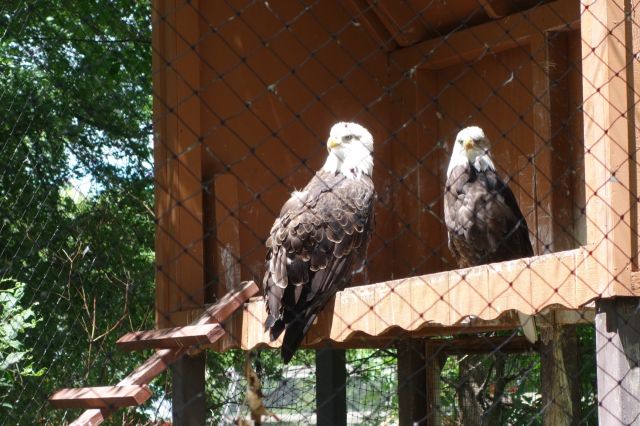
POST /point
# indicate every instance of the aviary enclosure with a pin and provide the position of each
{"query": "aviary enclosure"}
(245, 93)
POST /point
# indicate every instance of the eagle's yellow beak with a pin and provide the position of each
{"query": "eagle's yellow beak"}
(468, 144)
(332, 143)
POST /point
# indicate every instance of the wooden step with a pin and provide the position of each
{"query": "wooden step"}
(101, 397)
(163, 358)
(166, 338)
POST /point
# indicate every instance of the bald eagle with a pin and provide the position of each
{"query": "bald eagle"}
(320, 238)
(482, 216)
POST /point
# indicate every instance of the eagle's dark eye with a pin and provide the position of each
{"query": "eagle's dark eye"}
(347, 138)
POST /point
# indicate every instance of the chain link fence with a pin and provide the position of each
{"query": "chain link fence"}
(149, 150)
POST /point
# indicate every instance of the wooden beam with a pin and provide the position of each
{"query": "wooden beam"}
(177, 337)
(618, 360)
(163, 358)
(483, 345)
(220, 310)
(453, 301)
(101, 397)
(412, 382)
(608, 142)
(473, 43)
(233, 300)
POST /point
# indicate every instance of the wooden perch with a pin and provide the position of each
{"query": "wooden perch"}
(481, 298)
(177, 337)
(101, 397)
(162, 359)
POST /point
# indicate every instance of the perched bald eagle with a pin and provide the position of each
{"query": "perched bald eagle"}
(321, 237)
(482, 216)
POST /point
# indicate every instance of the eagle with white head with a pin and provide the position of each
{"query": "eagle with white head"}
(482, 216)
(321, 237)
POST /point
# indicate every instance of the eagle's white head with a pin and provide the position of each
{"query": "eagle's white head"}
(350, 147)
(471, 148)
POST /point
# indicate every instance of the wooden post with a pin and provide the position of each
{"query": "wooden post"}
(178, 171)
(434, 362)
(189, 398)
(559, 375)
(618, 360)
(412, 382)
(607, 137)
(331, 387)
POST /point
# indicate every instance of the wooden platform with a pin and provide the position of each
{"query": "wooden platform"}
(497, 296)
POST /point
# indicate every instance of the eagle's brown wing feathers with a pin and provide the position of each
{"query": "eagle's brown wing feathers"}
(322, 233)
(484, 221)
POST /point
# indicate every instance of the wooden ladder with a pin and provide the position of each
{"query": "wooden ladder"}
(172, 343)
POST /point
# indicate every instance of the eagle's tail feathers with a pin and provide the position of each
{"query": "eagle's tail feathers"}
(294, 335)
(275, 327)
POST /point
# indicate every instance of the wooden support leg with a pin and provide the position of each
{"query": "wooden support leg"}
(618, 359)
(331, 389)
(560, 384)
(435, 360)
(189, 391)
(412, 382)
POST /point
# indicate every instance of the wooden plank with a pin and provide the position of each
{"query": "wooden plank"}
(618, 361)
(449, 301)
(228, 304)
(163, 358)
(610, 224)
(412, 382)
(331, 389)
(503, 34)
(483, 345)
(101, 397)
(177, 337)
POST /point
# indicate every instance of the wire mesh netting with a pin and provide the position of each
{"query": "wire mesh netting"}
(361, 212)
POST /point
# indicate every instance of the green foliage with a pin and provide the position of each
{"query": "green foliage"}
(15, 319)
(76, 191)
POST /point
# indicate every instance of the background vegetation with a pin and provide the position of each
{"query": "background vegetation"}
(76, 195)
